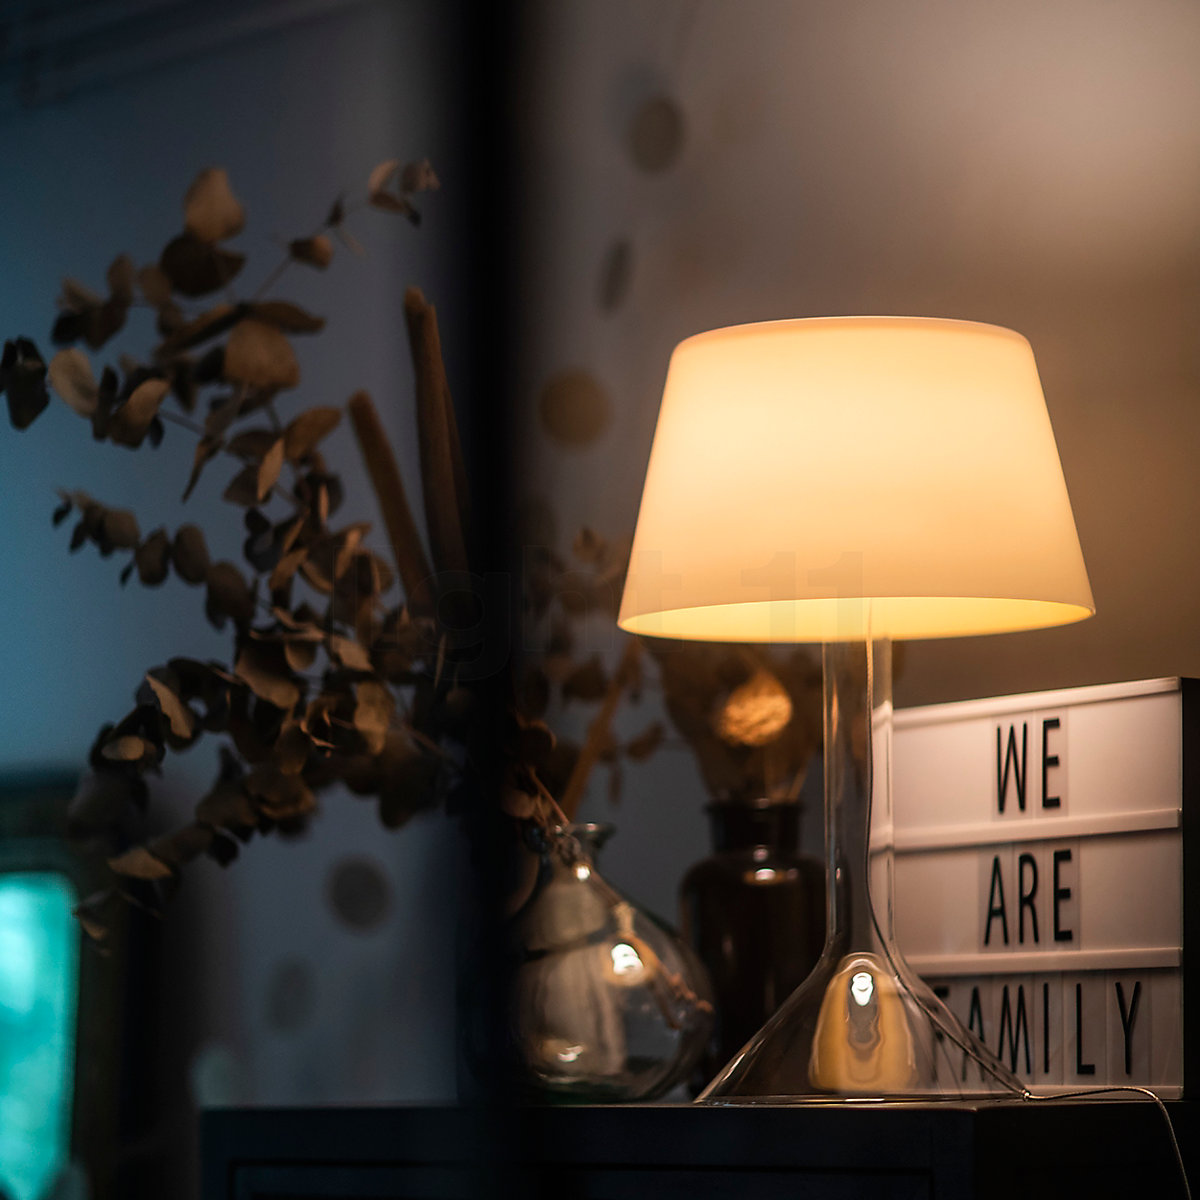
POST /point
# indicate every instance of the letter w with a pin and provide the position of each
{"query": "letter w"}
(1006, 755)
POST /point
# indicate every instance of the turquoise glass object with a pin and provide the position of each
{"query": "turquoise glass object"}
(39, 965)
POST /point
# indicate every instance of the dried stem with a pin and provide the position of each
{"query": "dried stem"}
(597, 734)
(442, 475)
(411, 563)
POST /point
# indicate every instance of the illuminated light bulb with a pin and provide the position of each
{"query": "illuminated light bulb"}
(582, 871)
(628, 961)
(628, 969)
(861, 987)
(863, 1043)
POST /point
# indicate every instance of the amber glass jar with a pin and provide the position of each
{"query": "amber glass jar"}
(754, 912)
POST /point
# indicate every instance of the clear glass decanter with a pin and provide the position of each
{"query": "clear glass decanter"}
(608, 1003)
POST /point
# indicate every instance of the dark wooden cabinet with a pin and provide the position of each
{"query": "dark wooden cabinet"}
(1014, 1150)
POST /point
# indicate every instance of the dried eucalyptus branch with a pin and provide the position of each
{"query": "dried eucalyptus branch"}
(336, 684)
(599, 731)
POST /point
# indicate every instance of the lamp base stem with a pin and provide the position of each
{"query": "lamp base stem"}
(863, 1025)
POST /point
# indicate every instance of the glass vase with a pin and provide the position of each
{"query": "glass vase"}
(863, 1025)
(754, 913)
(608, 1003)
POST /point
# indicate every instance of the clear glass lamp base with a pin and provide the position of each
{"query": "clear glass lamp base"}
(862, 1026)
(858, 1030)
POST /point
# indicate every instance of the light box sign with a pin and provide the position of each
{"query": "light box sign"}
(1042, 844)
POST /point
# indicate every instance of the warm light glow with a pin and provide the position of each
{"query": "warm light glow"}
(863, 1044)
(825, 479)
(582, 871)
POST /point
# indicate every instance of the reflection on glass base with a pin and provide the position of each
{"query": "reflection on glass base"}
(861, 1028)
(592, 1089)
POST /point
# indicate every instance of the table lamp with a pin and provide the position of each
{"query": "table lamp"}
(850, 481)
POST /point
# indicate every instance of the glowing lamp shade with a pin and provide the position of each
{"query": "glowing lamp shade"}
(798, 465)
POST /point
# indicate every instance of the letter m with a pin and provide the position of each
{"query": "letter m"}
(1014, 1027)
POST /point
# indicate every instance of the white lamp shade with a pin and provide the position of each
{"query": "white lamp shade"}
(838, 477)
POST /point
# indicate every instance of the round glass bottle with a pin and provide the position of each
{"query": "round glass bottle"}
(754, 913)
(608, 1002)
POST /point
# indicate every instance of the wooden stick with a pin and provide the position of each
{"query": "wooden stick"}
(411, 563)
(597, 733)
(442, 516)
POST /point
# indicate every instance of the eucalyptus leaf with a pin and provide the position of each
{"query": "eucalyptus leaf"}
(279, 795)
(70, 375)
(139, 863)
(419, 177)
(210, 210)
(229, 596)
(189, 554)
(252, 443)
(243, 487)
(258, 355)
(23, 377)
(349, 653)
(206, 448)
(315, 251)
(216, 321)
(154, 285)
(291, 318)
(268, 469)
(305, 431)
(382, 175)
(196, 267)
(286, 568)
(133, 420)
(151, 558)
(181, 718)
(120, 528)
(265, 671)
(373, 712)
(226, 807)
(300, 655)
(179, 848)
(127, 748)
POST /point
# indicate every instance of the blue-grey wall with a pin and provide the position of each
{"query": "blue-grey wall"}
(297, 111)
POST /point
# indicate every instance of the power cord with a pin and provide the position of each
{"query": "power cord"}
(1026, 1094)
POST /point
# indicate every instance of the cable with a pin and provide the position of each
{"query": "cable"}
(1141, 1091)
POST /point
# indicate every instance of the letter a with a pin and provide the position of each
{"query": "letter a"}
(996, 904)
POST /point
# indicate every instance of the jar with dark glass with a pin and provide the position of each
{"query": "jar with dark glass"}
(754, 912)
